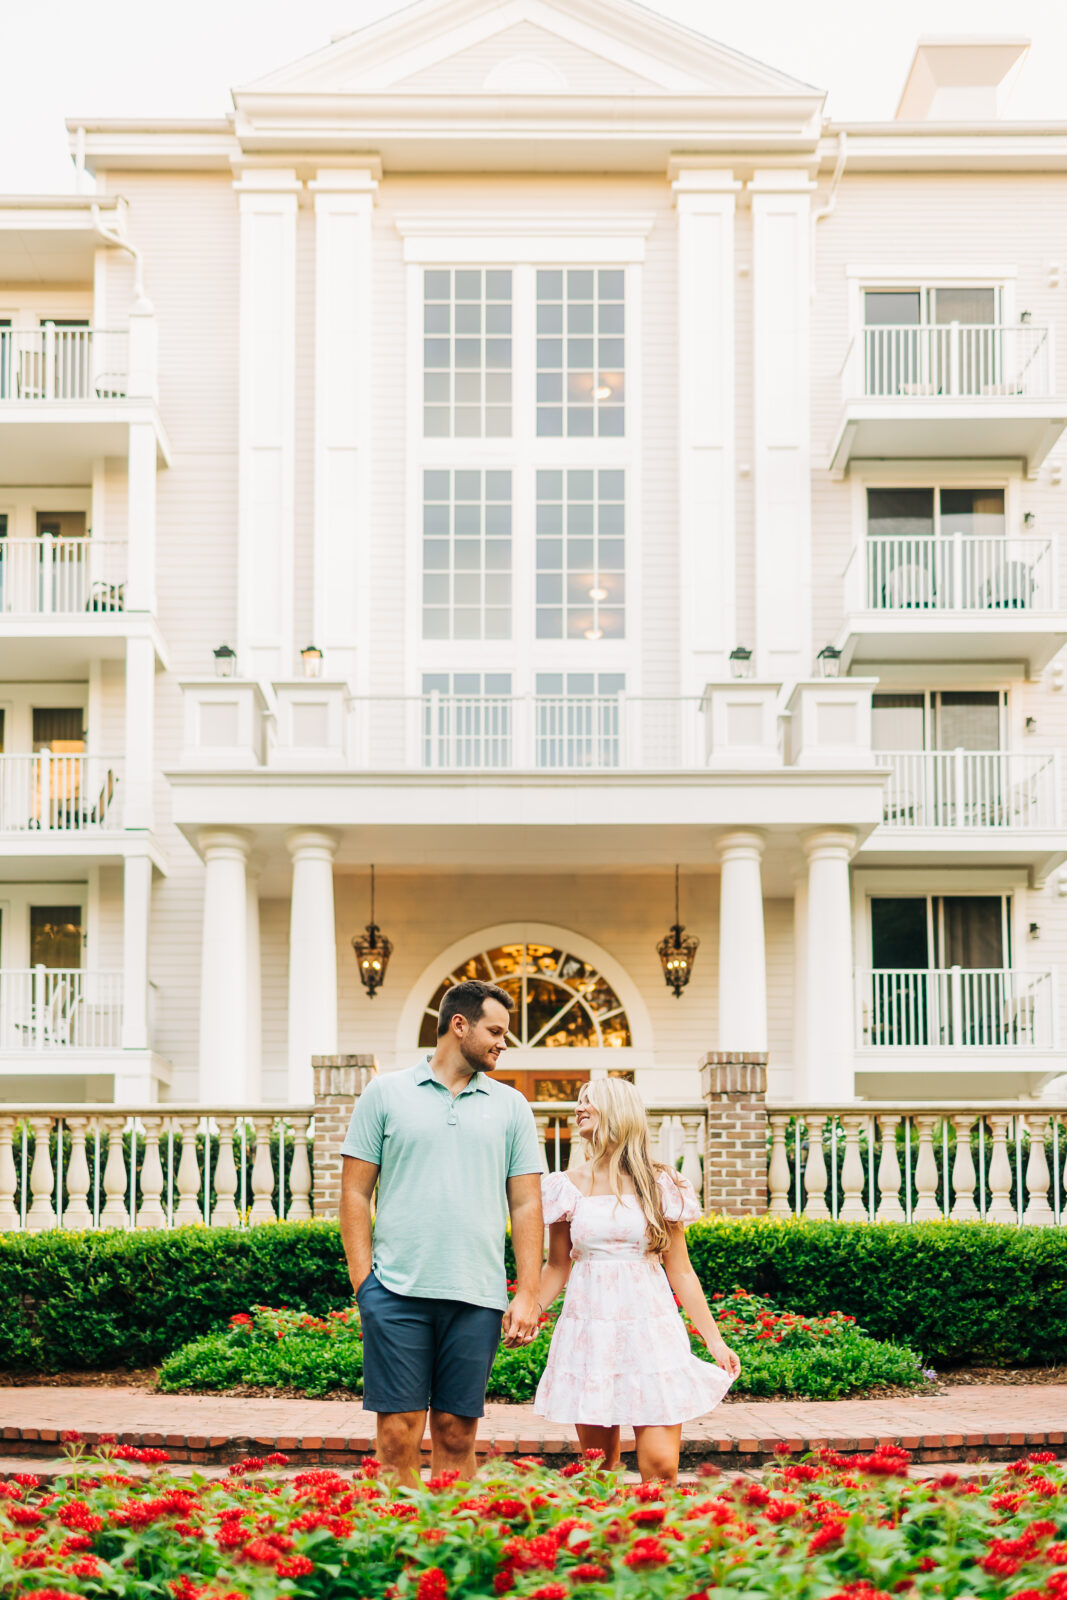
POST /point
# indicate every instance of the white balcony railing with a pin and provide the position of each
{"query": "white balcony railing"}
(954, 572)
(60, 1009)
(954, 1008)
(54, 793)
(1003, 789)
(49, 577)
(956, 360)
(50, 363)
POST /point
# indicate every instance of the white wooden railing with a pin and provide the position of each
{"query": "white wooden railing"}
(678, 1135)
(1002, 789)
(951, 572)
(50, 793)
(998, 1161)
(60, 1008)
(143, 1168)
(954, 1007)
(50, 363)
(49, 577)
(955, 360)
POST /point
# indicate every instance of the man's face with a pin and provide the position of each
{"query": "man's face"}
(484, 1042)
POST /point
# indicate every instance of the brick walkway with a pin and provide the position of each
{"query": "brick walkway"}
(983, 1422)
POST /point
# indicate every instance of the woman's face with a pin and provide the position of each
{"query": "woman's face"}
(586, 1116)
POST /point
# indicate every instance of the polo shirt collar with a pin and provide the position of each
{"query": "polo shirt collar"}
(424, 1074)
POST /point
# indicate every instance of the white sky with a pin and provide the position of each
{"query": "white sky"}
(130, 58)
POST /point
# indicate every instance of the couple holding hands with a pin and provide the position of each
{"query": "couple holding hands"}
(453, 1153)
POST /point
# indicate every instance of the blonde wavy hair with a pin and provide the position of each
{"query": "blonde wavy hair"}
(621, 1141)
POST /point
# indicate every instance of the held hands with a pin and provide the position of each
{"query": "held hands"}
(521, 1320)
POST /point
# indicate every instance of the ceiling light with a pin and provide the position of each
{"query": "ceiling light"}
(602, 392)
(594, 633)
(598, 594)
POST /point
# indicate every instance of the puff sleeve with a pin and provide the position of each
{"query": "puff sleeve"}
(558, 1196)
(678, 1198)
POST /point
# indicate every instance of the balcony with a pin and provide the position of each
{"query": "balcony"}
(971, 790)
(954, 1008)
(51, 577)
(955, 597)
(951, 390)
(50, 803)
(53, 1011)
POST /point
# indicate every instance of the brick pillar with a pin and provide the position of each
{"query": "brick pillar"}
(339, 1081)
(734, 1086)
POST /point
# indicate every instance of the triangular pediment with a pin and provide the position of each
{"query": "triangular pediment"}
(515, 47)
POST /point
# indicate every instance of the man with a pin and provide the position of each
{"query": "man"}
(451, 1152)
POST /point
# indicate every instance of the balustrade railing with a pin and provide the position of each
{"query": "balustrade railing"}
(52, 577)
(55, 793)
(60, 1008)
(951, 572)
(160, 1167)
(678, 1134)
(1002, 789)
(914, 1008)
(63, 363)
(887, 1162)
(956, 360)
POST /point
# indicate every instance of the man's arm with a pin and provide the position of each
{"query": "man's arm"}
(357, 1187)
(528, 1241)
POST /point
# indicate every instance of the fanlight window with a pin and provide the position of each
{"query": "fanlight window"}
(560, 1000)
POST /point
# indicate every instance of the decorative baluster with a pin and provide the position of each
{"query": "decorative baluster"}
(656, 1121)
(225, 1213)
(692, 1167)
(1063, 1193)
(852, 1206)
(151, 1213)
(576, 1157)
(926, 1206)
(1038, 1213)
(778, 1169)
(9, 1211)
(188, 1208)
(963, 1173)
(78, 1213)
(262, 1173)
(300, 1173)
(114, 1213)
(889, 1206)
(41, 1214)
(815, 1172)
(541, 1124)
(1000, 1207)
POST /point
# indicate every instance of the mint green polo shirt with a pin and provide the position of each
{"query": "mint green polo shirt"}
(444, 1164)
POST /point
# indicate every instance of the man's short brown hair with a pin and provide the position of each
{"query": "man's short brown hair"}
(467, 999)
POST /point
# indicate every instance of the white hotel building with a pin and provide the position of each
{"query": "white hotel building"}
(534, 361)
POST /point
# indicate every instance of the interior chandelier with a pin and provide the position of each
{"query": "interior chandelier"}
(677, 951)
(373, 950)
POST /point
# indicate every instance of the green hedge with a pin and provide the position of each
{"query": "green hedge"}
(956, 1292)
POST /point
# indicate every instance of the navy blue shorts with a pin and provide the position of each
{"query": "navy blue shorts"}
(419, 1353)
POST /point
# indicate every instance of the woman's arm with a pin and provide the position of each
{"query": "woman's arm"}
(686, 1285)
(557, 1269)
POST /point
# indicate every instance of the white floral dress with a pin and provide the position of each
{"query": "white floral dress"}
(620, 1352)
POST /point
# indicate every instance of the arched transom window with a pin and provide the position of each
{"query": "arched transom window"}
(560, 1000)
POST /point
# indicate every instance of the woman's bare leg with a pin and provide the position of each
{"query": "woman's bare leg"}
(658, 1450)
(606, 1439)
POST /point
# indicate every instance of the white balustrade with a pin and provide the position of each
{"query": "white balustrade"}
(917, 1008)
(51, 792)
(60, 1008)
(53, 363)
(1001, 789)
(956, 360)
(951, 572)
(61, 577)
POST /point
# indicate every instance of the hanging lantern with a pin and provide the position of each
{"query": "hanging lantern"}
(373, 950)
(677, 951)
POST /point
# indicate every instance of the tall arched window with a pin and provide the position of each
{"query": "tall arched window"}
(560, 1000)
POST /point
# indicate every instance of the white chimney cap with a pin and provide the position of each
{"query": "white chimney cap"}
(961, 80)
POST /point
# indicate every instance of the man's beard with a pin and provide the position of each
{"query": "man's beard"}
(477, 1061)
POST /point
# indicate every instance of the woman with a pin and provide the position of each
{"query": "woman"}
(620, 1352)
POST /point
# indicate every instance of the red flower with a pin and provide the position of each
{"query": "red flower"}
(432, 1585)
(70, 1436)
(588, 1572)
(277, 1460)
(648, 1516)
(592, 1455)
(646, 1553)
(295, 1567)
(550, 1591)
(510, 1510)
(85, 1567)
(831, 1532)
(572, 1469)
(443, 1480)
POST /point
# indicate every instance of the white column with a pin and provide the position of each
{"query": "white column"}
(224, 966)
(800, 1087)
(140, 590)
(312, 957)
(267, 422)
(742, 954)
(706, 403)
(344, 202)
(136, 909)
(781, 204)
(138, 776)
(254, 981)
(830, 1036)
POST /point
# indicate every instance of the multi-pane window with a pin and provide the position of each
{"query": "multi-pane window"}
(466, 353)
(581, 554)
(581, 352)
(466, 554)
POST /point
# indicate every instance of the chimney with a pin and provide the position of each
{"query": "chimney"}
(961, 80)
